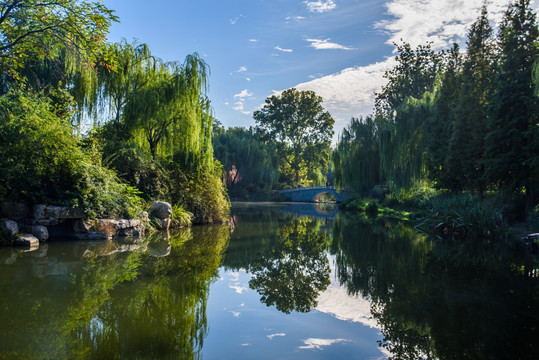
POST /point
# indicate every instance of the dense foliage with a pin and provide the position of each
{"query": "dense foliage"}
(250, 164)
(151, 121)
(456, 121)
(296, 124)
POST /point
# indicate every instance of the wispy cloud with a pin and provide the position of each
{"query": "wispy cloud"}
(283, 50)
(320, 6)
(235, 20)
(253, 40)
(318, 344)
(235, 313)
(239, 105)
(326, 44)
(275, 335)
(242, 95)
(241, 69)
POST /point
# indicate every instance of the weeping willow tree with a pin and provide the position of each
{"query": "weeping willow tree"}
(250, 163)
(170, 114)
(357, 159)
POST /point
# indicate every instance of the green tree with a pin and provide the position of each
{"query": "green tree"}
(249, 163)
(296, 123)
(440, 126)
(37, 29)
(357, 157)
(511, 143)
(466, 153)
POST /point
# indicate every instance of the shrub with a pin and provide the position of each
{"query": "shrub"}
(203, 194)
(463, 216)
(180, 217)
(41, 161)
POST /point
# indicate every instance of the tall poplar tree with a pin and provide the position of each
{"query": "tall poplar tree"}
(511, 142)
(466, 148)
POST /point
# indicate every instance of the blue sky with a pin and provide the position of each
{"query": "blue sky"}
(255, 48)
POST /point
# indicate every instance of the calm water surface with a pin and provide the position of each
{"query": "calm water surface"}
(282, 281)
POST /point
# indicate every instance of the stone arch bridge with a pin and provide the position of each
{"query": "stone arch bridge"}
(312, 194)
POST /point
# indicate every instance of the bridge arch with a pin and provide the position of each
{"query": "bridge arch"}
(310, 194)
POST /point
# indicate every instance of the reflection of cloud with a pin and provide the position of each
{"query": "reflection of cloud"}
(319, 344)
(239, 289)
(275, 335)
(336, 301)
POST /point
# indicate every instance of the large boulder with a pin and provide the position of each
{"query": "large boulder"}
(107, 228)
(27, 240)
(10, 228)
(47, 215)
(39, 232)
(161, 209)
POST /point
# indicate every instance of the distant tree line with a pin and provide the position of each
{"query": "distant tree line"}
(461, 121)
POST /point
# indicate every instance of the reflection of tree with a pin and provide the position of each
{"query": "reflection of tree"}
(296, 269)
(135, 305)
(438, 299)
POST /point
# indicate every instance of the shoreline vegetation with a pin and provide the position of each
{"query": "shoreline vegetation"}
(108, 128)
(103, 128)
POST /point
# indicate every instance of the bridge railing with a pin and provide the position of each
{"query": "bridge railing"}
(307, 188)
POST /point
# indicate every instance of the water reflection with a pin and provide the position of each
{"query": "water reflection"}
(148, 298)
(141, 299)
(434, 299)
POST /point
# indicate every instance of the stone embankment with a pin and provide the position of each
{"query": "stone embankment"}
(30, 225)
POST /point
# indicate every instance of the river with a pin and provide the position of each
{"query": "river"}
(282, 281)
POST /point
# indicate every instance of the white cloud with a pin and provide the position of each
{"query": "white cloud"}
(320, 6)
(235, 313)
(240, 106)
(235, 20)
(283, 50)
(319, 344)
(241, 69)
(350, 93)
(253, 40)
(275, 335)
(440, 21)
(325, 44)
(243, 94)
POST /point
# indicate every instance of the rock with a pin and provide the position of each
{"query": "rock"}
(164, 224)
(10, 227)
(39, 232)
(13, 210)
(27, 240)
(47, 215)
(144, 216)
(161, 209)
(160, 248)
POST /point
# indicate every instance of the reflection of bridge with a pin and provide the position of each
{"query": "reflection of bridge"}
(312, 194)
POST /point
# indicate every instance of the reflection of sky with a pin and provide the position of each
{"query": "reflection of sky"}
(241, 327)
(336, 301)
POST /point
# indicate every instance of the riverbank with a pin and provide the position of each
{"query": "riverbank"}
(454, 215)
